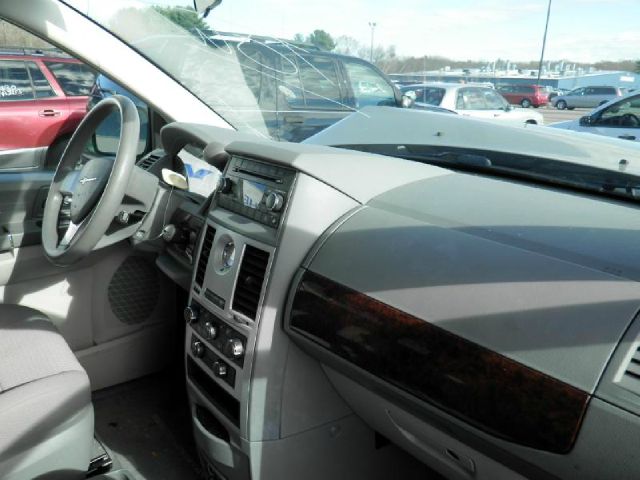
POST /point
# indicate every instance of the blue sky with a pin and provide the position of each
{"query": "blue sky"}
(580, 30)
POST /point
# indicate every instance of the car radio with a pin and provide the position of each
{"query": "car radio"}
(255, 190)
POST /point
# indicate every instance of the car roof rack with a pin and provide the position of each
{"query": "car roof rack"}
(34, 52)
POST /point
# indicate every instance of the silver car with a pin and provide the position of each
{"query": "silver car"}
(586, 97)
(469, 100)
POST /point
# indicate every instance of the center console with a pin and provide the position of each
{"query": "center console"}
(231, 273)
(261, 408)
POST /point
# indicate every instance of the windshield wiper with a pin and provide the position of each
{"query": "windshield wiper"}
(544, 171)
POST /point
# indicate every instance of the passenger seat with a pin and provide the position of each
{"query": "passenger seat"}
(46, 415)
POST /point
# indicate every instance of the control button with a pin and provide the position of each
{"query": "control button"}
(190, 314)
(123, 217)
(197, 348)
(220, 369)
(210, 331)
(274, 201)
(225, 185)
(234, 348)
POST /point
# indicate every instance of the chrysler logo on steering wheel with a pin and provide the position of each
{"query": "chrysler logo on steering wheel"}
(84, 180)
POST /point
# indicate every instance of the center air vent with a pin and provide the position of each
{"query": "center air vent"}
(209, 233)
(250, 280)
(149, 161)
(631, 378)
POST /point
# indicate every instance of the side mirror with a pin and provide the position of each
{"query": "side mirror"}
(508, 107)
(407, 101)
(586, 121)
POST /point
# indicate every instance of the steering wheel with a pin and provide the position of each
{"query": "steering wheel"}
(629, 120)
(94, 193)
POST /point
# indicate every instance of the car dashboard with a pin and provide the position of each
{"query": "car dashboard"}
(333, 289)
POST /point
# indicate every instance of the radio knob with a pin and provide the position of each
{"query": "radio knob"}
(226, 185)
(274, 201)
(220, 369)
(190, 314)
(235, 348)
(210, 331)
(197, 348)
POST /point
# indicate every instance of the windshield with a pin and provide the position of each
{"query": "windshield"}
(287, 70)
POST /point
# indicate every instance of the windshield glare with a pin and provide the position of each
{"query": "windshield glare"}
(287, 70)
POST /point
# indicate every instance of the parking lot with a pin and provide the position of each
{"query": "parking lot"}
(552, 115)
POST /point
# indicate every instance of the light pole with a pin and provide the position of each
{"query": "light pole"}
(372, 25)
(544, 43)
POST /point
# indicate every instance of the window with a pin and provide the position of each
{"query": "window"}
(14, 81)
(310, 81)
(41, 86)
(604, 90)
(622, 114)
(493, 100)
(76, 79)
(289, 86)
(320, 82)
(479, 99)
(429, 95)
(369, 87)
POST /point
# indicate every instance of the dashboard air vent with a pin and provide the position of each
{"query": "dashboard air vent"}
(250, 280)
(209, 233)
(147, 162)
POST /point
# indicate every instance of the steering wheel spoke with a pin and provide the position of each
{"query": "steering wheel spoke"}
(90, 197)
(71, 231)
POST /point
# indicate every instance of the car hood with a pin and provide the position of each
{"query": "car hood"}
(395, 126)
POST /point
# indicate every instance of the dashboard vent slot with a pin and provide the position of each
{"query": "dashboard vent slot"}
(149, 161)
(631, 378)
(250, 280)
(209, 233)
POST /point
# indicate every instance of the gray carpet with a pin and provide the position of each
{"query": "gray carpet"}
(146, 427)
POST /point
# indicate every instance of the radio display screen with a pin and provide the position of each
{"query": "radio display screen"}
(252, 193)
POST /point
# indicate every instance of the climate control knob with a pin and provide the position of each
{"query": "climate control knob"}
(220, 369)
(210, 331)
(190, 314)
(274, 201)
(234, 348)
(197, 348)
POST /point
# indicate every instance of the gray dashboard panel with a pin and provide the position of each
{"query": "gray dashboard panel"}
(520, 270)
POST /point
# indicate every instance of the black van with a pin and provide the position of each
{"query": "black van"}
(283, 90)
(301, 91)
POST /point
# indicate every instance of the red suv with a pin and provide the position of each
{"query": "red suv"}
(525, 95)
(43, 98)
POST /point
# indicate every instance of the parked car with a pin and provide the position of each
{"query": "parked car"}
(555, 91)
(620, 118)
(525, 95)
(586, 97)
(470, 100)
(298, 89)
(43, 95)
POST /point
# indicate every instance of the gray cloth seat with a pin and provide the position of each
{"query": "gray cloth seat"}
(46, 416)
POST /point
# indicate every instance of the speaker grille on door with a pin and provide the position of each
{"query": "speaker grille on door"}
(209, 233)
(250, 279)
(134, 290)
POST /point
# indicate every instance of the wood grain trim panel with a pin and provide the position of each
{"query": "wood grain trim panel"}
(484, 388)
